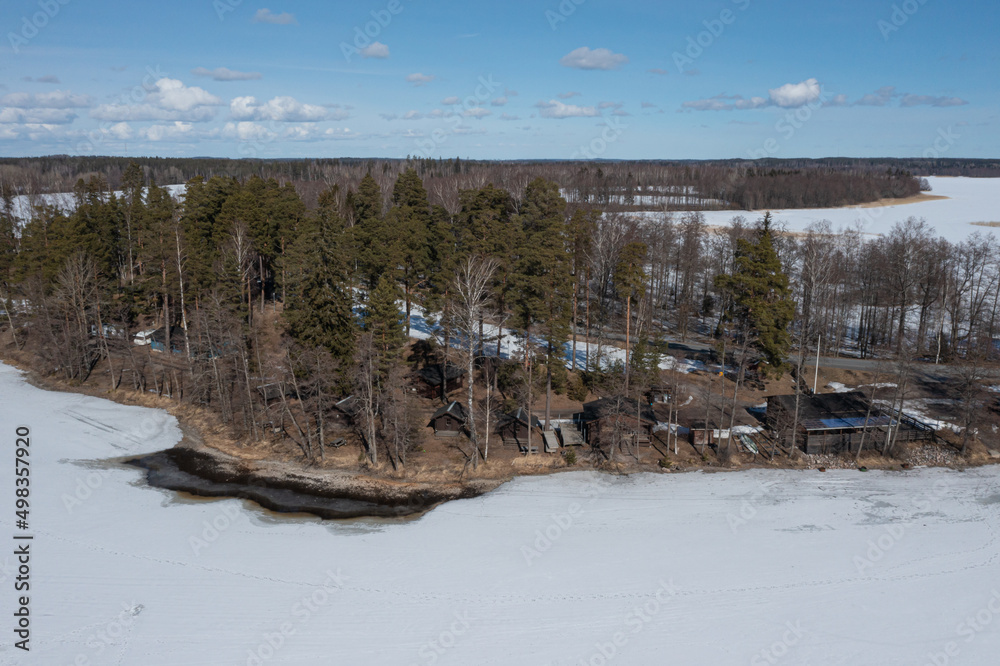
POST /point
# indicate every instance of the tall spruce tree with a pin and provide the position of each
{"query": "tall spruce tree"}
(762, 305)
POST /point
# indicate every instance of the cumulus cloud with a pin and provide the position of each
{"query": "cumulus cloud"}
(499, 101)
(375, 50)
(450, 101)
(247, 131)
(477, 112)
(419, 79)
(507, 116)
(558, 110)
(788, 96)
(585, 58)
(174, 132)
(267, 16)
(281, 109)
(168, 100)
(412, 115)
(794, 95)
(226, 74)
(648, 105)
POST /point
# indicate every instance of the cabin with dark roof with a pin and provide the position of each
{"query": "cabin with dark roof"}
(438, 380)
(449, 420)
(513, 429)
(617, 419)
(837, 422)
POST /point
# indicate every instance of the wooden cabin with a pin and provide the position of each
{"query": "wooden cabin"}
(438, 380)
(837, 422)
(449, 421)
(345, 411)
(617, 419)
(513, 429)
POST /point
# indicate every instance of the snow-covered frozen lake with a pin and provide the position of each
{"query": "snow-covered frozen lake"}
(734, 568)
(970, 200)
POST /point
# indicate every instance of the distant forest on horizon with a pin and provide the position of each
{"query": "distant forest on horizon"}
(613, 185)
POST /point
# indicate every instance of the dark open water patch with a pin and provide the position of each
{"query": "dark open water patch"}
(164, 470)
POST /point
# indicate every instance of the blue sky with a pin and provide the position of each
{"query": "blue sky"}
(518, 79)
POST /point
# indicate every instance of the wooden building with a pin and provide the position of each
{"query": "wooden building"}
(837, 422)
(617, 419)
(513, 429)
(438, 380)
(448, 421)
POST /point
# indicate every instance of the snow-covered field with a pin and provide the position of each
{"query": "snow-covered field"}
(969, 200)
(740, 568)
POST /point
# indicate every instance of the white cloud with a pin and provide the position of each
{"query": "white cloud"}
(267, 16)
(169, 100)
(226, 74)
(658, 71)
(57, 99)
(419, 79)
(726, 103)
(568, 95)
(610, 105)
(247, 131)
(375, 50)
(558, 110)
(450, 101)
(794, 95)
(48, 78)
(177, 131)
(648, 105)
(585, 58)
(507, 116)
(412, 115)
(499, 101)
(121, 131)
(477, 112)
(281, 109)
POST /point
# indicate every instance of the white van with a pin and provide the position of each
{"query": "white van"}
(143, 338)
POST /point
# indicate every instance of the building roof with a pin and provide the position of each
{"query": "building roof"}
(454, 409)
(599, 409)
(160, 335)
(432, 373)
(521, 416)
(833, 411)
(348, 405)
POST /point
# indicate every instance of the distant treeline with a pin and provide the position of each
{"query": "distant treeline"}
(624, 186)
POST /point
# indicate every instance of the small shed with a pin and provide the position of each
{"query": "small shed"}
(345, 410)
(617, 418)
(513, 429)
(659, 395)
(439, 379)
(449, 420)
